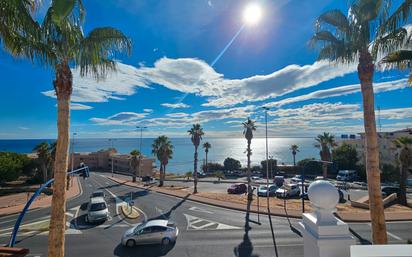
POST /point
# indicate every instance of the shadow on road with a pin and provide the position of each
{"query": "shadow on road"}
(142, 251)
(167, 214)
(245, 248)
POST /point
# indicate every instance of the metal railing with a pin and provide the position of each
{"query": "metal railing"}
(33, 197)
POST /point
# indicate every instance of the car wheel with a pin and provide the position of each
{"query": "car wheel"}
(165, 241)
(130, 243)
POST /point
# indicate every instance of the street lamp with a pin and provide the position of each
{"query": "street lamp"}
(267, 153)
(140, 150)
(72, 149)
(111, 140)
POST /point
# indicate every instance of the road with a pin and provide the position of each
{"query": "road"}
(204, 230)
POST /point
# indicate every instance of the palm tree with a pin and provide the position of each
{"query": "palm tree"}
(295, 150)
(134, 162)
(206, 146)
(325, 142)
(196, 133)
(357, 37)
(248, 128)
(44, 158)
(405, 161)
(162, 148)
(59, 42)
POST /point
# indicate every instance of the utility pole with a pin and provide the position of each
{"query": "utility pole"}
(111, 157)
(72, 150)
(140, 150)
(267, 154)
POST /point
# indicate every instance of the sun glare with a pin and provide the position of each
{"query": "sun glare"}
(252, 14)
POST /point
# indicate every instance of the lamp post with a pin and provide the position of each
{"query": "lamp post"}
(140, 150)
(72, 150)
(111, 157)
(267, 154)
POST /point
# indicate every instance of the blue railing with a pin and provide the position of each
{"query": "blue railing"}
(33, 197)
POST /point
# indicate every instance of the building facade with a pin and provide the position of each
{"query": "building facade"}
(388, 152)
(104, 159)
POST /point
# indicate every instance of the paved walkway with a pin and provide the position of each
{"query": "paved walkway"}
(278, 211)
(11, 204)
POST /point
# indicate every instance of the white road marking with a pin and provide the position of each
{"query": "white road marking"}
(209, 225)
(69, 214)
(199, 210)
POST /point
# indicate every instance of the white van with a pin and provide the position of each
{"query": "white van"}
(347, 175)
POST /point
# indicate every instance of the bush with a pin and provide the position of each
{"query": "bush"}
(345, 157)
(231, 164)
(390, 173)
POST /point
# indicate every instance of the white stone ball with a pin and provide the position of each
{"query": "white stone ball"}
(323, 195)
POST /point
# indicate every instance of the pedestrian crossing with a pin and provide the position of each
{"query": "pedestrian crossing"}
(196, 223)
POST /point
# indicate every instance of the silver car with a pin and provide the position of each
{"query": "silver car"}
(97, 210)
(151, 232)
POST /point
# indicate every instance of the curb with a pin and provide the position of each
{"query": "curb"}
(122, 208)
(213, 204)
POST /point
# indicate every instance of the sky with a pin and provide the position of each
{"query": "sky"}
(197, 62)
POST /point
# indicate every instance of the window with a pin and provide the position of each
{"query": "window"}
(158, 229)
(147, 230)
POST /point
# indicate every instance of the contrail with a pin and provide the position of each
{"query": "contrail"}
(180, 100)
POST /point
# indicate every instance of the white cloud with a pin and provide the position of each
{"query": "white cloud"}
(176, 105)
(341, 91)
(148, 110)
(121, 118)
(23, 128)
(78, 107)
(177, 115)
(116, 84)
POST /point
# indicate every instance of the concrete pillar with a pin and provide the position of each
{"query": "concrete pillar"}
(323, 234)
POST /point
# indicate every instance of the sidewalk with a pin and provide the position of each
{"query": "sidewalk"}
(357, 216)
(11, 204)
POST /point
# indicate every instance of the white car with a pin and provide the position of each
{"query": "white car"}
(288, 190)
(97, 210)
(296, 179)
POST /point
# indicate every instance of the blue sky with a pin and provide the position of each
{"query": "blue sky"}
(167, 83)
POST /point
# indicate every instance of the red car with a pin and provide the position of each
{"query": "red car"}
(237, 189)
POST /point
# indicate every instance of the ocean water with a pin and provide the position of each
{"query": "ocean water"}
(183, 149)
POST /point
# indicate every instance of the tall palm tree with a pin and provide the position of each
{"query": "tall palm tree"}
(295, 150)
(134, 162)
(196, 133)
(405, 161)
(44, 158)
(357, 37)
(248, 128)
(325, 142)
(206, 146)
(59, 42)
(162, 148)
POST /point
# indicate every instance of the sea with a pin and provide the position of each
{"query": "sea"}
(183, 151)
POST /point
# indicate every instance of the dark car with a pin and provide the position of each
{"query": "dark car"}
(146, 179)
(237, 189)
(388, 190)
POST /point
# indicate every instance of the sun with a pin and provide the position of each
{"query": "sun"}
(252, 14)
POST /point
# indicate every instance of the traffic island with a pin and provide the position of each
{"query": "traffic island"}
(130, 212)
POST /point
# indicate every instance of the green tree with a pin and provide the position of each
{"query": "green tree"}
(162, 148)
(248, 128)
(44, 158)
(325, 142)
(206, 146)
(219, 175)
(196, 133)
(59, 42)
(405, 161)
(311, 167)
(272, 166)
(295, 150)
(188, 175)
(390, 173)
(134, 163)
(360, 36)
(345, 157)
(11, 166)
(231, 164)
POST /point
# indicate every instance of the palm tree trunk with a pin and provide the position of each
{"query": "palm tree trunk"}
(365, 73)
(134, 174)
(294, 159)
(161, 175)
(402, 184)
(324, 170)
(63, 88)
(249, 187)
(206, 170)
(44, 169)
(195, 172)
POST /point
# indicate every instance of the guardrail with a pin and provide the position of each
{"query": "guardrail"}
(34, 196)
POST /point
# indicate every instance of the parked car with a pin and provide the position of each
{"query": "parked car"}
(162, 232)
(296, 179)
(255, 178)
(343, 195)
(388, 190)
(98, 193)
(319, 178)
(146, 179)
(97, 210)
(264, 191)
(279, 180)
(347, 175)
(287, 191)
(237, 189)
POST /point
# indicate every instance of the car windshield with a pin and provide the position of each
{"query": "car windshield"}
(262, 188)
(342, 173)
(139, 227)
(97, 194)
(97, 207)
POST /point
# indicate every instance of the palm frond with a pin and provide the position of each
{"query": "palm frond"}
(95, 51)
(390, 42)
(334, 18)
(400, 59)
(367, 10)
(398, 18)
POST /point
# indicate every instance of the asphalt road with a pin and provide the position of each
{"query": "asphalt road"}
(204, 230)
